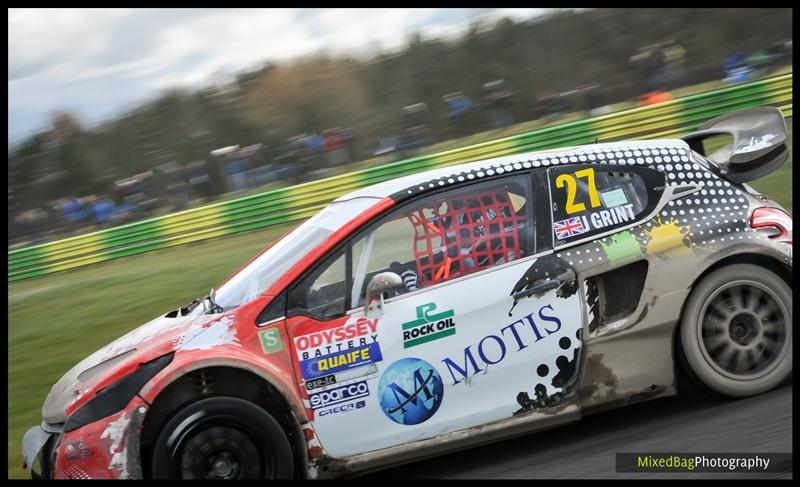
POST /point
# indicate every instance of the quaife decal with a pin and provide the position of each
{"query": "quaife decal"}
(428, 326)
(327, 352)
(343, 408)
(494, 348)
(596, 220)
(271, 340)
(339, 361)
(411, 391)
(338, 395)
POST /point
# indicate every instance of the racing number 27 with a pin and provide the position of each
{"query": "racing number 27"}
(572, 189)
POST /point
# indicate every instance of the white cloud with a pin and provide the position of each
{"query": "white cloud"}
(98, 61)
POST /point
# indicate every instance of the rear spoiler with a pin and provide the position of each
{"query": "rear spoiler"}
(758, 146)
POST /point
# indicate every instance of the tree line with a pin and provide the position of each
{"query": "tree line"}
(554, 53)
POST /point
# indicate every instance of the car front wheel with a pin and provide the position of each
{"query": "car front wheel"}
(222, 438)
(736, 330)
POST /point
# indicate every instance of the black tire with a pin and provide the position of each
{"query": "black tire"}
(222, 437)
(736, 331)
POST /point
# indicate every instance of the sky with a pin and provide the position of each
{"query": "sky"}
(98, 63)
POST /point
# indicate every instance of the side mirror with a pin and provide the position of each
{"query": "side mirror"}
(379, 284)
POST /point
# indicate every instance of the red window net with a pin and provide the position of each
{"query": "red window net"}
(465, 234)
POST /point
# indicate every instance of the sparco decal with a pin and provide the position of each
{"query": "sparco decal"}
(343, 408)
(338, 395)
(428, 326)
(493, 349)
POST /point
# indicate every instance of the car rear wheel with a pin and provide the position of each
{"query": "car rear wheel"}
(222, 438)
(736, 330)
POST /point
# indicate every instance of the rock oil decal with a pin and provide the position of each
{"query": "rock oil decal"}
(428, 326)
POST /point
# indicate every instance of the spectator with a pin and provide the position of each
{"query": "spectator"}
(199, 181)
(674, 64)
(499, 98)
(102, 211)
(459, 106)
(415, 131)
(736, 68)
(334, 147)
(237, 173)
(74, 214)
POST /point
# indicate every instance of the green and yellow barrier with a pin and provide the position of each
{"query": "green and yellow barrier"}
(295, 203)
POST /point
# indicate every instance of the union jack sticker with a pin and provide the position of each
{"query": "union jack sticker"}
(569, 227)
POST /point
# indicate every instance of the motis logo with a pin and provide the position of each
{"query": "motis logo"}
(411, 391)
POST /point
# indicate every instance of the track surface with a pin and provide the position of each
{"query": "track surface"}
(692, 422)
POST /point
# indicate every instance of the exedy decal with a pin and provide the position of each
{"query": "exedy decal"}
(428, 326)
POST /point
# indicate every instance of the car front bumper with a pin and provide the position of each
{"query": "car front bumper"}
(104, 449)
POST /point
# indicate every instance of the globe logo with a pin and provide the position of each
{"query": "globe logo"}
(410, 391)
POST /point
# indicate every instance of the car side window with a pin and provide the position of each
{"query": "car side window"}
(448, 235)
(321, 293)
(590, 200)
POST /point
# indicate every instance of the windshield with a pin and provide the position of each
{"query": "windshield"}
(264, 271)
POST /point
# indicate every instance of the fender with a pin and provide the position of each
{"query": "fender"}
(268, 372)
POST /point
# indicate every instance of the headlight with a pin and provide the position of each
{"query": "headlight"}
(113, 398)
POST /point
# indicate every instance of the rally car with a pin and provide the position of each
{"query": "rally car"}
(450, 308)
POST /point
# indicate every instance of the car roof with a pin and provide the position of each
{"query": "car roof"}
(425, 180)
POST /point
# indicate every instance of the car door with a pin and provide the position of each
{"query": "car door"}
(485, 324)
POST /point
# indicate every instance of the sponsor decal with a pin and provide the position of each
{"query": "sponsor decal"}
(347, 336)
(343, 408)
(327, 352)
(428, 326)
(669, 238)
(621, 246)
(410, 391)
(613, 197)
(338, 395)
(493, 349)
(271, 340)
(339, 361)
(324, 381)
(569, 227)
(596, 220)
